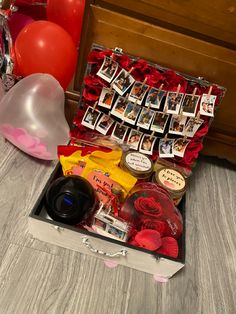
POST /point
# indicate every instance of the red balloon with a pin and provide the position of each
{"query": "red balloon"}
(68, 14)
(45, 47)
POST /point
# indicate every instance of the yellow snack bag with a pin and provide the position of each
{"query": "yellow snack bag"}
(99, 166)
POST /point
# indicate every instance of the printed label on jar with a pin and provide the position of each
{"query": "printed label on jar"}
(138, 162)
(171, 179)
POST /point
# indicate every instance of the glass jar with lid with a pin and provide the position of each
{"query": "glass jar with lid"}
(137, 164)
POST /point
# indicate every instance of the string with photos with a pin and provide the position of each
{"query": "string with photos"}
(124, 130)
(194, 91)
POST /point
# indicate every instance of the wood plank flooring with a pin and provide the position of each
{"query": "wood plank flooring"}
(36, 277)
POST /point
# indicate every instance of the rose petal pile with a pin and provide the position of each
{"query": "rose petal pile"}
(151, 240)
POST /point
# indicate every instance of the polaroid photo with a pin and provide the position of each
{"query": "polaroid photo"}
(154, 98)
(106, 98)
(147, 144)
(192, 126)
(145, 118)
(138, 92)
(134, 139)
(131, 113)
(119, 107)
(166, 148)
(177, 124)
(180, 146)
(173, 102)
(104, 124)
(108, 69)
(207, 105)
(119, 132)
(159, 122)
(122, 82)
(189, 105)
(115, 232)
(100, 224)
(90, 118)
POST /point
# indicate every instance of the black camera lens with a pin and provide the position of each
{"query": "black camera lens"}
(70, 199)
(65, 203)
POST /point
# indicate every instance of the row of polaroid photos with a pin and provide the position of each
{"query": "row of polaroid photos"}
(148, 120)
(137, 140)
(174, 103)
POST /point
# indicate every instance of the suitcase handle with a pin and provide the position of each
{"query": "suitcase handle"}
(122, 252)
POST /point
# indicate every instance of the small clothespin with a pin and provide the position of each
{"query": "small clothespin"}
(149, 107)
(181, 113)
(165, 137)
(198, 116)
(122, 123)
(164, 111)
(160, 88)
(194, 93)
(130, 70)
(178, 89)
(111, 87)
(94, 106)
(209, 92)
(126, 98)
(152, 134)
(144, 82)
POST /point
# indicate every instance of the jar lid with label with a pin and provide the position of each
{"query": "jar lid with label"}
(138, 164)
(172, 180)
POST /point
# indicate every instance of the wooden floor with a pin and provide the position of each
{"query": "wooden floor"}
(36, 277)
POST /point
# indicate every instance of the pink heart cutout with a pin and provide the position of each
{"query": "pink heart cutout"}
(110, 264)
(160, 279)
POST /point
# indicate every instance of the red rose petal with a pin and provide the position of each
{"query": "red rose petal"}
(148, 239)
(169, 247)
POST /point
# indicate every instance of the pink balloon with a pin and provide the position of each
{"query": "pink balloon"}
(16, 22)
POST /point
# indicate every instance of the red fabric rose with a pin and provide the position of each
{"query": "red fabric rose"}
(141, 65)
(158, 225)
(148, 239)
(92, 93)
(92, 88)
(191, 154)
(148, 206)
(169, 247)
(97, 56)
(93, 80)
(171, 80)
(123, 60)
(154, 80)
(203, 130)
(77, 121)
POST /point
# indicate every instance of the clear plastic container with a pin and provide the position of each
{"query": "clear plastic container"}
(149, 206)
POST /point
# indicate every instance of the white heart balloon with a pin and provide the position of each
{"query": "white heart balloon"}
(32, 116)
